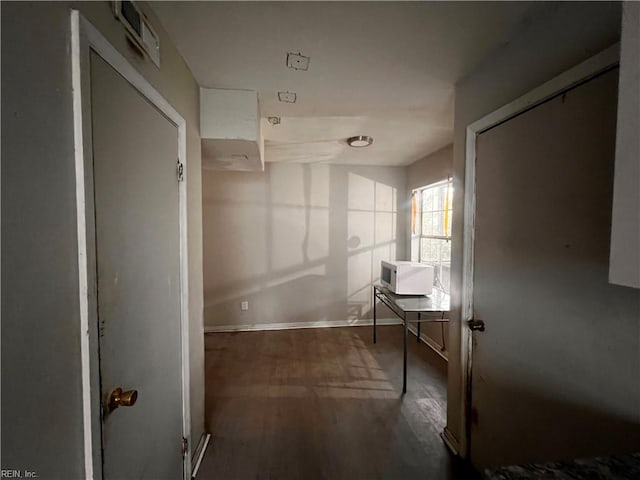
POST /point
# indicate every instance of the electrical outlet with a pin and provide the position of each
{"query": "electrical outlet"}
(244, 306)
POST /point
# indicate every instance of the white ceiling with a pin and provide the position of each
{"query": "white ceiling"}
(382, 69)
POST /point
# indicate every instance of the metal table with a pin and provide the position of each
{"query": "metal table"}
(434, 307)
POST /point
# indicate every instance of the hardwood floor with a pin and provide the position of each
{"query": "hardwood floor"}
(324, 404)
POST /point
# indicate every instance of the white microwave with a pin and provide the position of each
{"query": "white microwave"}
(407, 278)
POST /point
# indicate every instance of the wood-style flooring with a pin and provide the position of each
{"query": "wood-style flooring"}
(324, 404)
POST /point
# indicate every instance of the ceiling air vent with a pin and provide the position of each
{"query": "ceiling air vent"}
(287, 97)
(138, 29)
(297, 61)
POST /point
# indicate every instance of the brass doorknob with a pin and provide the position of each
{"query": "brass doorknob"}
(120, 398)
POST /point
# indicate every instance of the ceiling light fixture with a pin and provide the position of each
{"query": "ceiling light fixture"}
(360, 141)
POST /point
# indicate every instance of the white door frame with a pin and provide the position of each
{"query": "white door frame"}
(85, 38)
(571, 78)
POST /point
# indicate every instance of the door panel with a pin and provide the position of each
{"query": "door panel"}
(135, 150)
(556, 341)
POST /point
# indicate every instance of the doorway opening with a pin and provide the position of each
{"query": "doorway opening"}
(478, 227)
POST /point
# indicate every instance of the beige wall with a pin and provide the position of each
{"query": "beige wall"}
(563, 36)
(301, 243)
(41, 374)
(431, 169)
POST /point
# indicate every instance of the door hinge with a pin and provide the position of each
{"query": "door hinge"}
(185, 447)
(476, 325)
(180, 170)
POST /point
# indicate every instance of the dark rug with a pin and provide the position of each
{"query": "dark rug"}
(617, 467)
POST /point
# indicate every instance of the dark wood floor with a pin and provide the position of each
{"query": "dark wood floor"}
(324, 404)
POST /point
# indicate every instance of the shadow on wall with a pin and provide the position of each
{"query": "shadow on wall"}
(301, 243)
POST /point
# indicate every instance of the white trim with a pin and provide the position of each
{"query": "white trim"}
(419, 236)
(82, 244)
(263, 327)
(450, 441)
(200, 451)
(84, 36)
(563, 82)
(258, 327)
(428, 341)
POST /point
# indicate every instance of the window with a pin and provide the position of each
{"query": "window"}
(431, 229)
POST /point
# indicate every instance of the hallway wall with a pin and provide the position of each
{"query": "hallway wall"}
(562, 36)
(41, 370)
(301, 243)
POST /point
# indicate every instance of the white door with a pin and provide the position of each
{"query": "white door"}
(135, 151)
(543, 205)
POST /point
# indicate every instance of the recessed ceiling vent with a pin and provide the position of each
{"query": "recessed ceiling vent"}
(297, 61)
(230, 130)
(287, 97)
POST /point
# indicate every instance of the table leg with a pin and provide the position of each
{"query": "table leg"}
(404, 368)
(374, 314)
(418, 328)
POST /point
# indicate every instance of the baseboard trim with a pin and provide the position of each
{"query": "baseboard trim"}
(429, 343)
(450, 441)
(252, 327)
(199, 453)
(258, 327)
